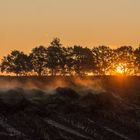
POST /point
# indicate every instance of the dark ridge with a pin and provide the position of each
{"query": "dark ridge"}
(68, 113)
(67, 92)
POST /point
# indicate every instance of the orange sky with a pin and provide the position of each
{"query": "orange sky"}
(25, 24)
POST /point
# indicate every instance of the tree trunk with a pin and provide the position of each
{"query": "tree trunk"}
(52, 72)
(39, 72)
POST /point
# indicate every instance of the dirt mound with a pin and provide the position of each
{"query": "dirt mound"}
(67, 92)
(65, 113)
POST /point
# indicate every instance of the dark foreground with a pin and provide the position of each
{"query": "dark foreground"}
(99, 108)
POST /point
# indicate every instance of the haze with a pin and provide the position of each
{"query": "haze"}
(25, 24)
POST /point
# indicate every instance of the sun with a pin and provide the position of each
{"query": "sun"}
(120, 69)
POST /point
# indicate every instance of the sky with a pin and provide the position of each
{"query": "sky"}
(25, 24)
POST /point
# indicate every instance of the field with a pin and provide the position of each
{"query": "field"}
(70, 108)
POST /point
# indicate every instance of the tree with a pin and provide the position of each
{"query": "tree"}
(125, 56)
(69, 60)
(103, 59)
(137, 60)
(38, 58)
(83, 60)
(56, 56)
(17, 62)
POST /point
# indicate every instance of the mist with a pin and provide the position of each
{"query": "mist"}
(15, 90)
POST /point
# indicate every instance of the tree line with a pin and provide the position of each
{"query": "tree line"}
(76, 60)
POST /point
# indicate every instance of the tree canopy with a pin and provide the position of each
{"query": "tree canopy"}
(57, 59)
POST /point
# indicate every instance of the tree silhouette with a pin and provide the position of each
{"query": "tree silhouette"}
(38, 58)
(84, 60)
(56, 57)
(137, 60)
(16, 62)
(125, 56)
(77, 60)
(69, 60)
(103, 59)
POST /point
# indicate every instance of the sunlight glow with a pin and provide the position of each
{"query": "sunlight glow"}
(121, 69)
